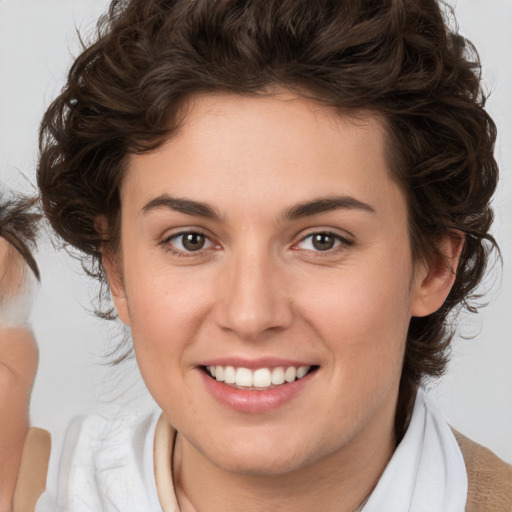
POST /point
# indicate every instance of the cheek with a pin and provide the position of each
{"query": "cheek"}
(363, 316)
(165, 312)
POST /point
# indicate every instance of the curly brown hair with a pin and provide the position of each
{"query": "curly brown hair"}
(397, 58)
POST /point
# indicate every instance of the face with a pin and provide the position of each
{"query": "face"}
(12, 270)
(267, 277)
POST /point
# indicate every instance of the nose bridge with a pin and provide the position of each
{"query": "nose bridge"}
(253, 298)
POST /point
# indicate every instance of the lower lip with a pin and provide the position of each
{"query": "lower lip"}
(254, 401)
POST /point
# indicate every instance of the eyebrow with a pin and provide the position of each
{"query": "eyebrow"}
(326, 204)
(298, 211)
(186, 206)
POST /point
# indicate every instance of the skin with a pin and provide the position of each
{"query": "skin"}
(18, 365)
(12, 270)
(260, 288)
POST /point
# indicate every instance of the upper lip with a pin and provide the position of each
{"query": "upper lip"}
(253, 364)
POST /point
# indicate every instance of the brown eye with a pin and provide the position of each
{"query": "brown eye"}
(188, 242)
(323, 241)
(193, 241)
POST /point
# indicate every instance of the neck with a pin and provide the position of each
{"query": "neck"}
(340, 481)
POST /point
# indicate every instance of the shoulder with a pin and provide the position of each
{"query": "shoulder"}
(93, 435)
(489, 478)
(106, 463)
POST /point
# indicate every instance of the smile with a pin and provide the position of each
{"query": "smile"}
(257, 379)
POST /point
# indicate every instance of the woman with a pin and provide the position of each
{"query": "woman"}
(18, 349)
(288, 199)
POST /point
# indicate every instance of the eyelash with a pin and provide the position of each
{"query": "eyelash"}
(342, 243)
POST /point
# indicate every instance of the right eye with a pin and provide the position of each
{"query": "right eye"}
(188, 242)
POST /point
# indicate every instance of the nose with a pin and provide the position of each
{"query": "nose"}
(253, 297)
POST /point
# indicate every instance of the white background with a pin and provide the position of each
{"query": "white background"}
(37, 41)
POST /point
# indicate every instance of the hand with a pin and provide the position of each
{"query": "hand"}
(18, 366)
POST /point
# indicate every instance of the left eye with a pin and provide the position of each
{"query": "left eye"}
(190, 242)
(322, 242)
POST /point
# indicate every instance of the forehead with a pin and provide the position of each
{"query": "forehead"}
(251, 150)
(273, 119)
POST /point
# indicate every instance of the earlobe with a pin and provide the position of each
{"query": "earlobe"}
(435, 279)
(116, 285)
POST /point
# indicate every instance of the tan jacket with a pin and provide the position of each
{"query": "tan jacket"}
(489, 478)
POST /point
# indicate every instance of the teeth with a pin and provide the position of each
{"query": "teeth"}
(229, 375)
(243, 377)
(262, 378)
(301, 372)
(290, 374)
(278, 376)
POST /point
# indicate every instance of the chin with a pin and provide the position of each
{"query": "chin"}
(265, 459)
(270, 466)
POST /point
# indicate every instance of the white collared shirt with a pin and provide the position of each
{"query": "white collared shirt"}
(109, 466)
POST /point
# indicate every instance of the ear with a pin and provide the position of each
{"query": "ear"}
(434, 280)
(115, 282)
(113, 272)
